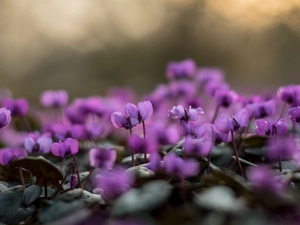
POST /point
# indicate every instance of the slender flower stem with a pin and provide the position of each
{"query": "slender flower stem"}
(279, 160)
(27, 124)
(77, 171)
(132, 153)
(144, 133)
(282, 110)
(215, 114)
(21, 176)
(63, 180)
(236, 153)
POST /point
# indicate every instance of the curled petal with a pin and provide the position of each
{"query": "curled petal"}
(131, 111)
(263, 127)
(145, 109)
(118, 119)
(57, 150)
(45, 144)
(281, 127)
(29, 144)
(242, 117)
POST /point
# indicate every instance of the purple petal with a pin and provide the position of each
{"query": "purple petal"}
(56, 149)
(294, 114)
(242, 117)
(130, 110)
(94, 156)
(281, 126)
(263, 127)
(145, 109)
(118, 119)
(28, 144)
(221, 124)
(6, 157)
(73, 146)
(45, 144)
(191, 167)
(5, 117)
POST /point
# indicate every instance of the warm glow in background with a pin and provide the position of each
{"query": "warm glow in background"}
(88, 46)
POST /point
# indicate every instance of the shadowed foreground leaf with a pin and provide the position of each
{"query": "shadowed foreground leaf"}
(42, 169)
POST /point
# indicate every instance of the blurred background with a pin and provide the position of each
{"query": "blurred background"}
(89, 46)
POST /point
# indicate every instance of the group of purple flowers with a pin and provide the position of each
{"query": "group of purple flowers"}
(196, 110)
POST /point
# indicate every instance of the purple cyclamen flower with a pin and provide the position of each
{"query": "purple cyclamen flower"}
(182, 69)
(261, 109)
(74, 112)
(17, 107)
(180, 113)
(265, 180)
(224, 98)
(210, 131)
(155, 162)
(164, 135)
(8, 155)
(142, 112)
(179, 89)
(226, 124)
(113, 182)
(141, 145)
(34, 143)
(212, 87)
(265, 128)
(119, 120)
(67, 148)
(285, 148)
(5, 117)
(52, 98)
(186, 128)
(290, 94)
(197, 147)
(104, 157)
(206, 75)
(294, 114)
(182, 168)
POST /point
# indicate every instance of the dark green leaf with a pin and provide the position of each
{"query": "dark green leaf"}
(31, 194)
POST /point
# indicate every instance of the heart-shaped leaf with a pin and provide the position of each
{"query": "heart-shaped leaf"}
(42, 168)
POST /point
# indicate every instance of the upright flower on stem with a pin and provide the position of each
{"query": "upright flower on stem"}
(179, 70)
(180, 113)
(67, 148)
(234, 124)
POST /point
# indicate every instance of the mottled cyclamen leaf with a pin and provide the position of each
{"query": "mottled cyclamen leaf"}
(31, 194)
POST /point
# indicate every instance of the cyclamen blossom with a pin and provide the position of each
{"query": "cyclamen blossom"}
(206, 75)
(265, 180)
(265, 128)
(294, 114)
(225, 98)
(67, 148)
(132, 115)
(290, 94)
(210, 131)
(182, 168)
(197, 147)
(34, 143)
(226, 124)
(261, 109)
(285, 148)
(52, 98)
(183, 69)
(5, 117)
(180, 113)
(141, 145)
(112, 183)
(8, 155)
(103, 157)
(17, 107)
